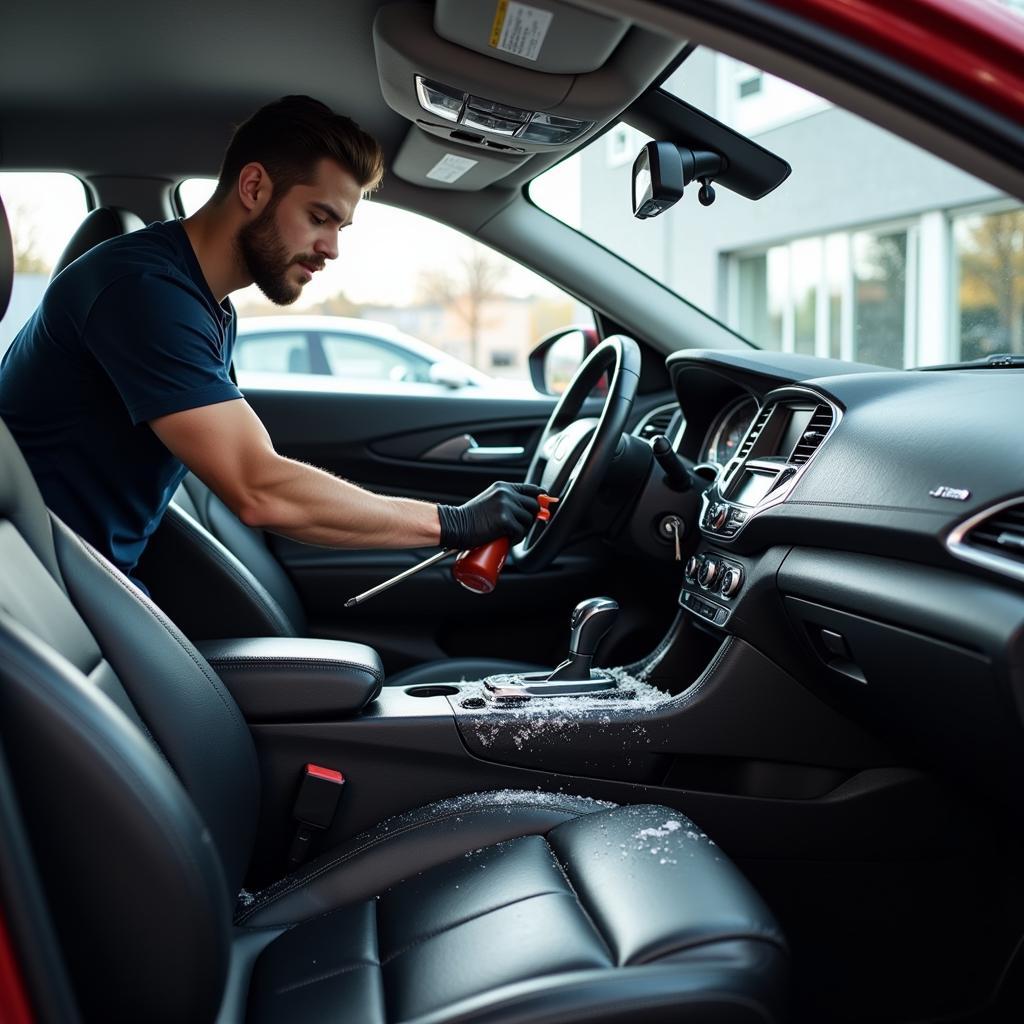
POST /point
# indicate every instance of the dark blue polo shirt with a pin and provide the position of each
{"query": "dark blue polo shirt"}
(127, 333)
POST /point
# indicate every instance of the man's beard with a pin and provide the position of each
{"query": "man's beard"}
(266, 259)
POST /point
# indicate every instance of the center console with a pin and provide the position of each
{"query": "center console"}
(790, 426)
(688, 719)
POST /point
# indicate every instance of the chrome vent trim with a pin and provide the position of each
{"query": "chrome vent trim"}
(790, 475)
(660, 421)
(817, 430)
(755, 431)
(993, 539)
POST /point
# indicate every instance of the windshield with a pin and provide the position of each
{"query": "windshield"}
(871, 250)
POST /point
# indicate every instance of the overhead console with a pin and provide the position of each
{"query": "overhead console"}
(487, 85)
(789, 428)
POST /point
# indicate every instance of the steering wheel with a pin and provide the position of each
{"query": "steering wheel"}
(573, 455)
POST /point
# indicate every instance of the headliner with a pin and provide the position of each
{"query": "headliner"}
(163, 85)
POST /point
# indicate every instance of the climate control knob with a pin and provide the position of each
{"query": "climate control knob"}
(732, 579)
(708, 573)
(692, 568)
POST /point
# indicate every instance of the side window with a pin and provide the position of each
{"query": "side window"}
(358, 358)
(456, 300)
(272, 353)
(44, 210)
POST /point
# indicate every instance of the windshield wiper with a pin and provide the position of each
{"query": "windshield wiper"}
(996, 361)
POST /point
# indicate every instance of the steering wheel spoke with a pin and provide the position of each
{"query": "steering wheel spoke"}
(574, 452)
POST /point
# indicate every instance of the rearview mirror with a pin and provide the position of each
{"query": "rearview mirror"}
(662, 170)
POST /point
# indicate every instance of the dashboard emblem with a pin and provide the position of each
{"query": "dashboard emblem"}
(953, 493)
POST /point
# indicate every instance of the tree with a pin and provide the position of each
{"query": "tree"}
(466, 289)
(338, 304)
(28, 259)
(992, 268)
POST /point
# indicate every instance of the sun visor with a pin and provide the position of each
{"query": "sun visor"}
(469, 92)
(548, 35)
(431, 162)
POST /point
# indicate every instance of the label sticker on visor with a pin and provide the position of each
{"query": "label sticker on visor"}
(519, 29)
(450, 168)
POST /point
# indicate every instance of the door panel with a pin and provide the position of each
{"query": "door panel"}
(371, 438)
(377, 441)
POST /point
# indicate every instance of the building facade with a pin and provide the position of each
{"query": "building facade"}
(872, 249)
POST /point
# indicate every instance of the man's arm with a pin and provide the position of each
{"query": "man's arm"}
(229, 449)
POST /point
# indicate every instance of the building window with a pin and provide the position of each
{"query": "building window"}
(623, 144)
(842, 295)
(750, 85)
(837, 276)
(763, 297)
(989, 283)
(751, 101)
(805, 288)
(880, 297)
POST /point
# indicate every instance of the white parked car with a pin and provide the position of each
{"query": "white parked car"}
(358, 352)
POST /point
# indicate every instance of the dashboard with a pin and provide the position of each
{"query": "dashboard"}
(865, 530)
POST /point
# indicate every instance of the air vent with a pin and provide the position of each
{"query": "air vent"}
(817, 429)
(755, 431)
(658, 421)
(1000, 534)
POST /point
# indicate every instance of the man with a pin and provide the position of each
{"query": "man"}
(119, 383)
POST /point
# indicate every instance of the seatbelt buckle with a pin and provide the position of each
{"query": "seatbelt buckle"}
(315, 805)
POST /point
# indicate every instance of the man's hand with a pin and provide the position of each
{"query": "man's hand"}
(503, 510)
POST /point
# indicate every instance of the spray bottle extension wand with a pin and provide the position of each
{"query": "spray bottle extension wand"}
(476, 569)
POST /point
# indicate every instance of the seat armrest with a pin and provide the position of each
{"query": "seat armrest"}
(291, 679)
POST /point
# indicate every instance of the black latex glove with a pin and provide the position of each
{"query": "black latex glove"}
(503, 510)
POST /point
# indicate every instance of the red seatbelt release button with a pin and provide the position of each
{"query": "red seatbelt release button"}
(314, 809)
(318, 796)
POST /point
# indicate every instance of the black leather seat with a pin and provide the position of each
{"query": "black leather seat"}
(244, 590)
(139, 788)
(99, 225)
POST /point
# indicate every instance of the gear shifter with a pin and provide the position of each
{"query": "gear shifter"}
(591, 620)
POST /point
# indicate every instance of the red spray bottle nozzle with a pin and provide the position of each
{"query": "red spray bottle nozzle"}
(478, 569)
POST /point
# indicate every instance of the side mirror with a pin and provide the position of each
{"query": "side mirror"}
(557, 356)
(450, 375)
(662, 170)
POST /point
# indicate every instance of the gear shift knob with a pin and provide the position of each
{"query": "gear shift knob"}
(591, 619)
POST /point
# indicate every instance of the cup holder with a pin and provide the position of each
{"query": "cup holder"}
(432, 691)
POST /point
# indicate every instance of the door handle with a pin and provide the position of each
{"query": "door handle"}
(463, 448)
(507, 454)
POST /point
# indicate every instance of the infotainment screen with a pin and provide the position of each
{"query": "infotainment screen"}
(794, 430)
(752, 487)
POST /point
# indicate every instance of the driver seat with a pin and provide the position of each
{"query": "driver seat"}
(213, 575)
(245, 590)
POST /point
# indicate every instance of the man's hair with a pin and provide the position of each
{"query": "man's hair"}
(290, 136)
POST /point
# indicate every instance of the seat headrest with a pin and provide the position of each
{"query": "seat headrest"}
(101, 224)
(6, 261)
